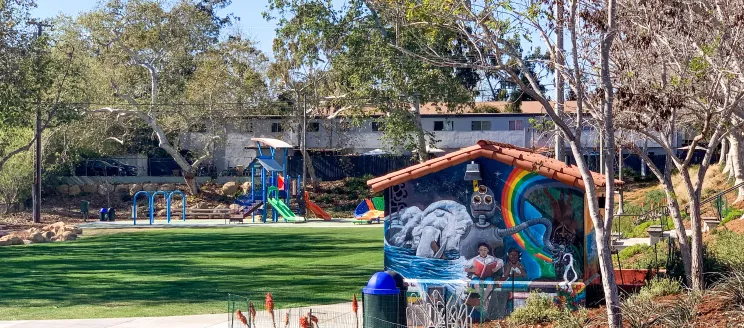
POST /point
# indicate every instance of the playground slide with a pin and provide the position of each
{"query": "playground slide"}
(282, 209)
(319, 212)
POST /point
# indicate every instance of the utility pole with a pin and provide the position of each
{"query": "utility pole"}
(36, 189)
(304, 147)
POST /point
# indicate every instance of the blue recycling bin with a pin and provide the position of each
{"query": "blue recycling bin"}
(103, 212)
(381, 301)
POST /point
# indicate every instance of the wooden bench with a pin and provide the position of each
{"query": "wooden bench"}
(201, 213)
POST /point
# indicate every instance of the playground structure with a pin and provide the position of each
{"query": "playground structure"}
(369, 211)
(151, 202)
(276, 187)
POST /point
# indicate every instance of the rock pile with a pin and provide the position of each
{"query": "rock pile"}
(54, 232)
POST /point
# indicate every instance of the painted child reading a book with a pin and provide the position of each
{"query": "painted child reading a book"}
(484, 265)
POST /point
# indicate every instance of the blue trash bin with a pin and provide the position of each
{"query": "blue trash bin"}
(381, 301)
(103, 212)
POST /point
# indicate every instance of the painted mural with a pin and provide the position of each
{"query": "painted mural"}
(486, 242)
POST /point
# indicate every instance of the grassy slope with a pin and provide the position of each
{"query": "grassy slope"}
(185, 271)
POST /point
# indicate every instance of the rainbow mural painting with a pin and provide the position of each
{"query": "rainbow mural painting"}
(513, 199)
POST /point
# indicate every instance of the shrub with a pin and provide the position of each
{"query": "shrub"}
(575, 319)
(683, 312)
(661, 287)
(640, 311)
(539, 308)
(732, 214)
(727, 249)
(730, 289)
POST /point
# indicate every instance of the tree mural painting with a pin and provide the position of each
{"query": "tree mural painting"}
(488, 245)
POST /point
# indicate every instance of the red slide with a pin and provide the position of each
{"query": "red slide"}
(319, 212)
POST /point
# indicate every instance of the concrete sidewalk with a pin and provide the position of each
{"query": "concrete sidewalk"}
(338, 315)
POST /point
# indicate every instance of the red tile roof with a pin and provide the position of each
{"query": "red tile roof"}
(509, 154)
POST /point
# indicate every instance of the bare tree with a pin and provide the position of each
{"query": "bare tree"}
(678, 66)
(491, 29)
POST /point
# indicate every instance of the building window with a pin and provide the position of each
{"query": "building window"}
(516, 125)
(277, 127)
(480, 126)
(313, 127)
(443, 126)
(378, 126)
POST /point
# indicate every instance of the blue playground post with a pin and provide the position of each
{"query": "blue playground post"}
(183, 205)
(134, 204)
(151, 202)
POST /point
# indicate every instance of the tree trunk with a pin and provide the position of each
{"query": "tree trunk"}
(696, 265)
(679, 227)
(602, 238)
(621, 201)
(559, 148)
(737, 142)
(643, 161)
(420, 134)
(724, 152)
(190, 178)
(727, 167)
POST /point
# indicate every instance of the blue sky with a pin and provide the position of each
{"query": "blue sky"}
(249, 11)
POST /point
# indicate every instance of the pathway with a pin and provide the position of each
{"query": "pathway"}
(330, 316)
(220, 223)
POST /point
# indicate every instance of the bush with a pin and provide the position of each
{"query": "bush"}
(730, 289)
(539, 308)
(727, 249)
(732, 214)
(17, 174)
(640, 311)
(683, 312)
(661, 287)
(568, 319)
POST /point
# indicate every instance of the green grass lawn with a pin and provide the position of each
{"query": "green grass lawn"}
(185, 271)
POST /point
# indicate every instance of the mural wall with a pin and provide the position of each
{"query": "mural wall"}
(487, 244)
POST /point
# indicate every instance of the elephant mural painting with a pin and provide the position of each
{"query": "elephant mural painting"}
(445, 229)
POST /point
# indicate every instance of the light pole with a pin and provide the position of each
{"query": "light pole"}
(36, 190)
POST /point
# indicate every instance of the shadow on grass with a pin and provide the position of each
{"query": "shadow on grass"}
(299, 266)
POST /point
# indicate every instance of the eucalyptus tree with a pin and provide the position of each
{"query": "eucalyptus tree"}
(355, 49)
(153, 57)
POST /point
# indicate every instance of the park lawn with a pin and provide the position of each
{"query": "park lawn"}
(185, 271)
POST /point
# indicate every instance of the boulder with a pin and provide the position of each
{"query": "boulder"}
(200, 205)
(161, 213)
(150, 187)
(4, 243)
(246, 186)
(12, 240)
(34, 230)
(67, 235)
(27, 242)
(230, 188)
(167, 187)
(36, 238)
(48, 235)
(63, 189)
(121, 189)
(234, 207)
(134, 188)
(74, 229)
(74, 190)
(104, 189)
(90, 188)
